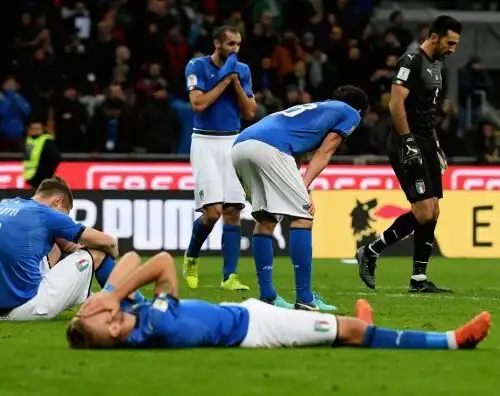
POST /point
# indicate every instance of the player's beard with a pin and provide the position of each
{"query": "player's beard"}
(223, 56)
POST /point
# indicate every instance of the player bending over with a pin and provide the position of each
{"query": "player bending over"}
(34, 283)
(220, 91)
(266, 157)
(169, 322)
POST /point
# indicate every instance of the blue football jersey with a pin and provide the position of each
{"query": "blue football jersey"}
(170, 323)
(302, 128)
(224, 114)
(27, 233)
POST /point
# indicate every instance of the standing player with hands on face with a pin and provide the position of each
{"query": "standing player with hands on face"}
(415, 154)
(220, 90)
(266, 157)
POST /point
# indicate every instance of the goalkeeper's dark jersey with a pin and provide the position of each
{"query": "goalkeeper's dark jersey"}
(422, 76)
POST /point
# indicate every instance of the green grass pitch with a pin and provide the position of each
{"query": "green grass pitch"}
(35, 361)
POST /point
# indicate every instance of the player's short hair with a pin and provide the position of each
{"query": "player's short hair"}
(443, 23)
(76, 335)
(220, 32)
(353, 96)
(53, 186)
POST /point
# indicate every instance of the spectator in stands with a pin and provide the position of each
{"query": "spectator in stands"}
(42, 156)
(158, 124)
(447, 129)
(110, 127)
(380, 124)
(153, 78)
(381, 79)
(71, 121)
(287, 53)
(423, 33)
(14, 109)
(179, 53)
(474, 84)
(298, 78)
(487, 143)
(403, 35)
(270, 9)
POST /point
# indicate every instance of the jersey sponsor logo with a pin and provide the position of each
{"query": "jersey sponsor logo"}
(403, 73)
(82, 265)
(175, 176)
(192, 81)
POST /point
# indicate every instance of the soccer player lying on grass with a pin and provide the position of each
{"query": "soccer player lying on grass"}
(168, 322)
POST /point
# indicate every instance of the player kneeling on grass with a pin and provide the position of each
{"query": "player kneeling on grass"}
(168, 322)
(35, 283)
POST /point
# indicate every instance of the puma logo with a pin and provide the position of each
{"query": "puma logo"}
(430, 71)
(411, 150)
(410, 56)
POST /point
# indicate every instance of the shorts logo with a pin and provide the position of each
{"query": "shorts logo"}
(420, 186)
(321, 326)
(202, 194)
(82, 265)
(160, 305)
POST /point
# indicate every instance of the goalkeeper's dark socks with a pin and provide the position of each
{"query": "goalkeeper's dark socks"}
(423, 241)
(401, 228)
(376, 337)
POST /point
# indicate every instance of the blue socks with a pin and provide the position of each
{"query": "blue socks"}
(231, 239)
(262, 247)
(384, 338)
(301, 255)
(104, 271)
(198, 237)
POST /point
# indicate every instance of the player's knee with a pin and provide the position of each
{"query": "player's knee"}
(265, 227)
(351, 330)
(436, 209)
(424, 211)
(212, 213)
(231, 215)
(97, 257)
(301, 223)
(165, 257)
(132, 255)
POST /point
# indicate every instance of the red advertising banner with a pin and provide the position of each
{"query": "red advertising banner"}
(178, 176)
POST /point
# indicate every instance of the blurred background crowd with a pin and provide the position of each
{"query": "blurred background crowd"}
(108, 75)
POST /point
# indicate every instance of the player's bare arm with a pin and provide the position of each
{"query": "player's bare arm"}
(98, 240)
(397, 109)
(201, 100)
(321, 158)
(248, 106)
(159, 269)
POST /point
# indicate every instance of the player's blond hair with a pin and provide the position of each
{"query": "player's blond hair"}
(76, 335)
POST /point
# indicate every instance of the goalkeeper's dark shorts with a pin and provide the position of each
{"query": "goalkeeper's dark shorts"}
(419, 183)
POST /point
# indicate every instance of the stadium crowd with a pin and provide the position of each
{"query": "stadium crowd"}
(108, 75)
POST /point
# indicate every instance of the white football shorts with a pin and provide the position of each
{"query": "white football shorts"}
(270, 179)
(214, 175)
(274, 327)
(63, 286)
